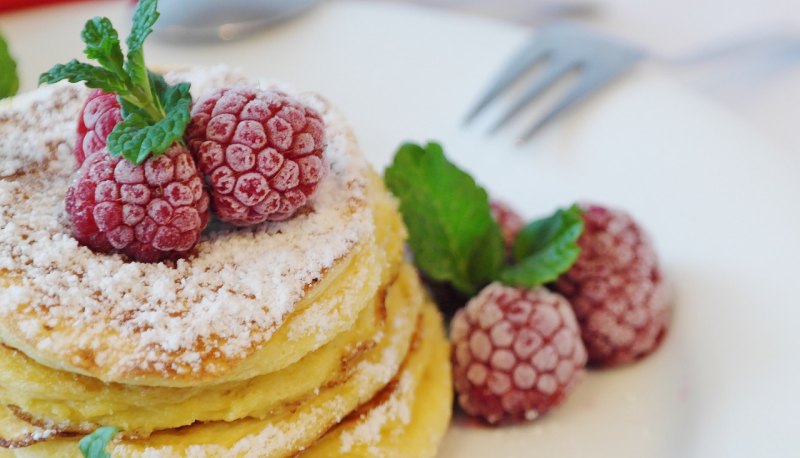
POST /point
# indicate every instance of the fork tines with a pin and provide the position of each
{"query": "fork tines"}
(562, 48)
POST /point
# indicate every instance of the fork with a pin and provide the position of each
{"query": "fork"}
(563, 48)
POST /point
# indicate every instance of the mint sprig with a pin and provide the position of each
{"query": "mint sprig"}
(454, 238)
(75, 72)
(138, 138)
(155, 114)
(451, 231)
(545, 248)
(143, 19)
(102, 44)
(94, 445)
(9, 80)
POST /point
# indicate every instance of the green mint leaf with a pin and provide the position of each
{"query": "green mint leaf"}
(94, 445)
(135, 138)
(9, 80)
(144, 18)
(138, 75)
(545, 249)
(127, 139)
(128, 108)
(158, 85)
(102, 44)
(154, 114)
(452, 234)
(74, 71)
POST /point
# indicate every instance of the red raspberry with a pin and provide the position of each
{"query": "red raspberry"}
(99, 115)
(517, 353)
(510, 222)
(150, 212)
(260, 151)
(616, 289)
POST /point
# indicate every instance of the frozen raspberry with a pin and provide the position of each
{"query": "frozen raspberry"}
(151, 212)
(510, 222)
(260, 151)
(99, 115)
(616, 289)
(517, 353)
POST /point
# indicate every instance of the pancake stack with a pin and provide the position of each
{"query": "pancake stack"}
(311, 337)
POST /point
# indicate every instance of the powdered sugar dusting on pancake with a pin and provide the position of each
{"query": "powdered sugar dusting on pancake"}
(237, 287)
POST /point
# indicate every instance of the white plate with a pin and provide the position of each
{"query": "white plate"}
(720, 202)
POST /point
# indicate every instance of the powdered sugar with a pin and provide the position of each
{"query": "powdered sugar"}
(234, 291)
(272, 439)
(28, 142)
(396, 408)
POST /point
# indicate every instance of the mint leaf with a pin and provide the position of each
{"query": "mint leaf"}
(102, 44)
(545, 249)
(452, 234)
(138, 75)
(154, 114)
(9, 81)
(158, 86)
(158, 83)
(135, 138)
(144, 18)
(94, 445)
(74, 72)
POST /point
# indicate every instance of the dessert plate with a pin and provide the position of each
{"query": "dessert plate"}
(719, 201)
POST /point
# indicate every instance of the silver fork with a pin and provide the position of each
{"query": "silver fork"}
(563, 48)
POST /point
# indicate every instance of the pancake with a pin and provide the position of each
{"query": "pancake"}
(311, 337)
(407, 419)
(165, 324)
(80, 404)
(420, 393)
(16, 432)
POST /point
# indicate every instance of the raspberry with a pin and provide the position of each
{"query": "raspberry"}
(151, 212)
(616, 289)
(99, 115)
(517, 353)
(260, 151)
(510, 222)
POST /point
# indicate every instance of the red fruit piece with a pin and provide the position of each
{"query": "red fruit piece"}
(150, 212)
(260, 151)
(97, 118)
(517, 353)
(510, 222)
(616, 289)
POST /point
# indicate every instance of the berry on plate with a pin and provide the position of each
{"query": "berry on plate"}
(98, 117)
(260, 151)
(150, 212)
(616, 288)
(510, 222)
(138, 190)
(517, 353)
